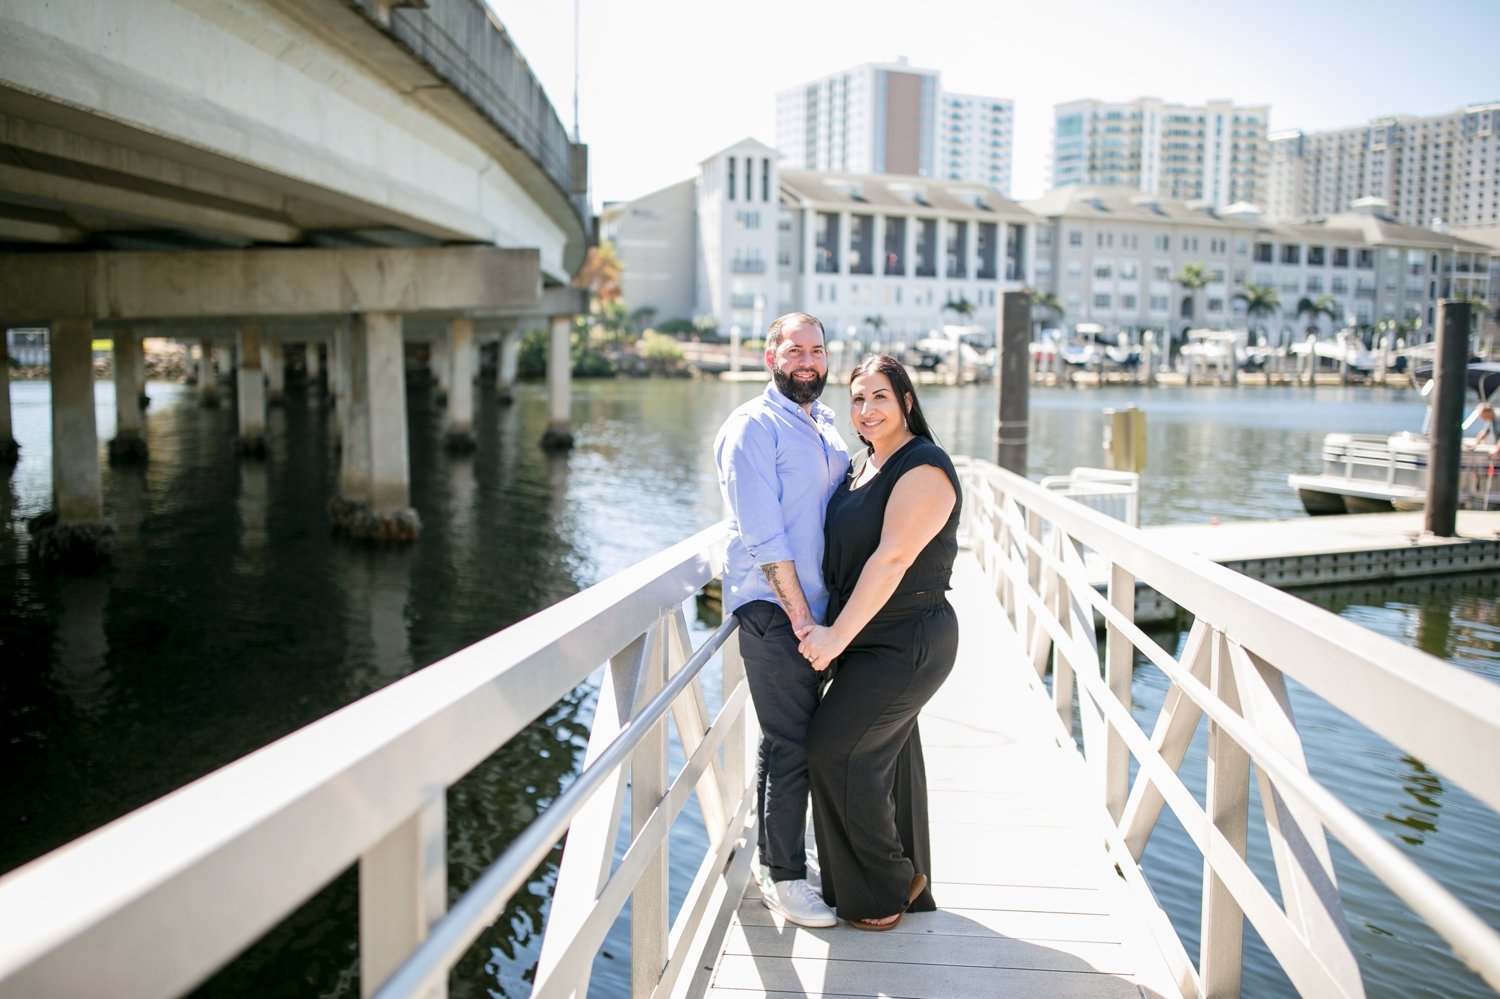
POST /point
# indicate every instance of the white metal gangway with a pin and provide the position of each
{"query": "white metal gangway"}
(154, 903)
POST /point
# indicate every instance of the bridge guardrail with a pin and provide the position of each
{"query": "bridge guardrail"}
(175, 890)
(1247, 640)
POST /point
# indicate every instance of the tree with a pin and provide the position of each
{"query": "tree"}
(961, 307)
(1260, 300)
(1193, 278)
(600, 274)
(1044, 302)
(1323, 306)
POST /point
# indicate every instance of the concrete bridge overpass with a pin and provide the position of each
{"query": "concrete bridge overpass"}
(347, 174)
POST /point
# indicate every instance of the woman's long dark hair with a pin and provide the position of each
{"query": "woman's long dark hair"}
(900, 381)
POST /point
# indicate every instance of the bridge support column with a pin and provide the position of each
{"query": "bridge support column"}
(208, 377)
(273, 361)
(374, 501)
(506, 363)
(251, 385)
(138, 358)
(439, 366)
(461, 356)
(559, 434)
(10, 451)
(129, 445)
(74, 534)
(312, 362)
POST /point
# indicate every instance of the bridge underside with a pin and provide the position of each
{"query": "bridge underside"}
(346, 174)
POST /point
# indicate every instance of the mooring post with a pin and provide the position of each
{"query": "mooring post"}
(1011, 382)
(1450, 366)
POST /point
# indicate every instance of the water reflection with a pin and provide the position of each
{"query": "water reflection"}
(80, 666)
(1421, 813)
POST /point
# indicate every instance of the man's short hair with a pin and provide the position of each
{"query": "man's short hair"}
(777, 331)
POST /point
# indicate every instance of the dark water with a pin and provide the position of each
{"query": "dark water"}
(231, 617)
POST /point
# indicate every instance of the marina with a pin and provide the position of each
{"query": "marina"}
(642, 460)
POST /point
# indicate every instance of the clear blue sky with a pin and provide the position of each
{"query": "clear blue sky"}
(663, 84)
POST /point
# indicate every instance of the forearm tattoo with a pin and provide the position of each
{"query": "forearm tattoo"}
(778, 584)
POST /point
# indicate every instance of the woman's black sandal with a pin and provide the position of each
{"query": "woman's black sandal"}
(918, 885)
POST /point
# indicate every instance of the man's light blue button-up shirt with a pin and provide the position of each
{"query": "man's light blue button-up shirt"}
(778, 467)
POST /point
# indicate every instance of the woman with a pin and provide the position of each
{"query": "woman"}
(890, 538)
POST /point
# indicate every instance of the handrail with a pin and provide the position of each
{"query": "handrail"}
(487, 897)
(179, 887)
(1246, 640)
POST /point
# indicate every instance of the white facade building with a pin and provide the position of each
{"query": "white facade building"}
(847, 247)
(894, 118)
(1439, 171)
(1216, 152)
(1112, 257)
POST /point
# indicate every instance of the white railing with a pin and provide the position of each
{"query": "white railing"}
(1246, 641)
(1110, 491)
(156, 902)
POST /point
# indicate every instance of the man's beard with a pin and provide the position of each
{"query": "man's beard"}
(799, 392)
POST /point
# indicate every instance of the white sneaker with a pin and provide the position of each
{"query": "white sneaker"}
(796, 902)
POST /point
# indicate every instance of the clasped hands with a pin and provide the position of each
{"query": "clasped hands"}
(819, 645)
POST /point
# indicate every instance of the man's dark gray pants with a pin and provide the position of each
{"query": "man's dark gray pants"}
(785, 690)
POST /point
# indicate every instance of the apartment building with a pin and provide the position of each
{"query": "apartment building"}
(1113, 256)
(1216, 152)
(895, 118)
(1439, 171)
(745, 241)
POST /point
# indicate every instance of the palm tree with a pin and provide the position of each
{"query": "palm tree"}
(1193, 277)
(1047, 303)
(1260, 300)
(1323, 306)
(962, 307)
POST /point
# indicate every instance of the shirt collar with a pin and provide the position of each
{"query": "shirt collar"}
(821, 413)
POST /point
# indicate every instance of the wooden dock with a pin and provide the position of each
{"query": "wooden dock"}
(1029, 900)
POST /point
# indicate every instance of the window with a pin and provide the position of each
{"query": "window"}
(861, 244)
(1341, 256)
(1291, 253)
(1102, 272)
(825, 244)
(731, 178)
(1264, 253)
(1075, 270)
(1317, 256)
(1364, 259)
(1075, 238)
(747, 219)
(1159, 303)
(956, 248)
(1101, 301)
(1127, 302)
(988, 251)
(895, 245)
(927, 248)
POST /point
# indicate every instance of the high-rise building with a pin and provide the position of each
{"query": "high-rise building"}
(976, 140)
(1435, 171)
(893, 118)
(1215, 152)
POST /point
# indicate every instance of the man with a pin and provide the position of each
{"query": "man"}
(780, 458)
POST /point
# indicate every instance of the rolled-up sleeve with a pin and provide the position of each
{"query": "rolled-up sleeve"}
(751, 487)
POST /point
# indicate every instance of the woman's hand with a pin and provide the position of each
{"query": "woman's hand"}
(820, 646)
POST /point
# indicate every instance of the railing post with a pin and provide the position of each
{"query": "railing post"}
(736, 740)
(403, 887)
(648, 786)
(1221, 950)
(1119, 665)
(1299, 846)
(589, 851)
